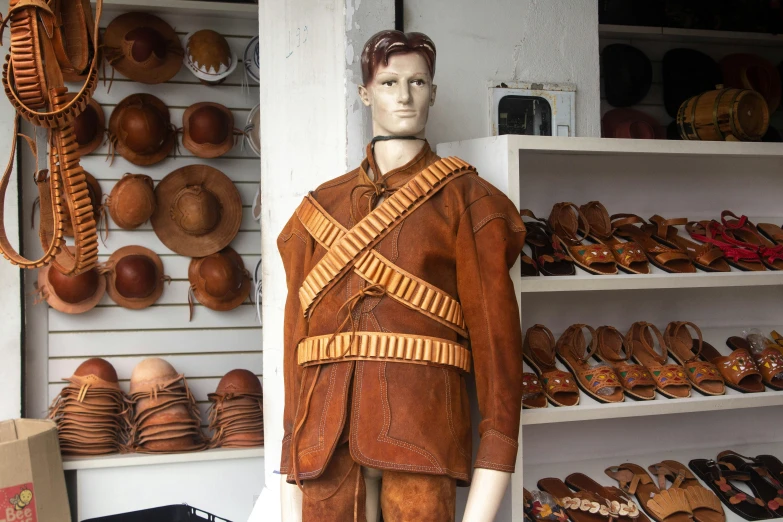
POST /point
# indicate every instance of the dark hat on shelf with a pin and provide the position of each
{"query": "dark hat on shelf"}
(208, 129)
(71, 294)
(627, 74)
(220, 281)
(749, 71)
(631, 124)
(89, 127)
(140, 129)
(687, 73)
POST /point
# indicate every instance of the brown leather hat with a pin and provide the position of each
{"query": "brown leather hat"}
(220, 281)
(132, 201)
(96, 195)
(143, 48)
(208, 56)
(135, 277)
(140, 129)
(208, 129)
(239, 381)
(89, 127)
(199, 211)
(71, 294)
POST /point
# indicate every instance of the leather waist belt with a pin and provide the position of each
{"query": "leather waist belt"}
(378, 346)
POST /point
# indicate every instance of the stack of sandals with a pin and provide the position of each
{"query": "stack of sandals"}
(236, 416)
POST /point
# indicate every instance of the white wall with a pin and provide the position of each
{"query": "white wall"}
(503, 40)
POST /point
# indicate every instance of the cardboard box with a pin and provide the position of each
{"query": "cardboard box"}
(32, 481)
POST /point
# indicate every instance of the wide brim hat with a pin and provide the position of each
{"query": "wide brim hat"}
(750, 71)
(111, 276)
(627, 74)
(95, 190)
(126, 152)
(253, 130)
(221, 187)
(631, 124)
(210, 301)
(115, 34)
(207, 150)
(252, 60)
(65, 307)
(204, 76)
(687, 73)
(100, 128)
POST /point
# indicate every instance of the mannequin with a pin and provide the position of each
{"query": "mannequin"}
(399, 95)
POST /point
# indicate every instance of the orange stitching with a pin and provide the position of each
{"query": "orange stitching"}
(498, 215)
(448, 415)
(504, 438)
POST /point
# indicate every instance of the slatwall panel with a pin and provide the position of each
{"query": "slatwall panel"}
(656, 48)
(214, 342)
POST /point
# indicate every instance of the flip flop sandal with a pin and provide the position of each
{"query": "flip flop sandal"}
(760, 483)
(538, 350)
(706, 257)
(705, 505)
(775, 469)
(626, 509)
(670, 379)
(571, 228)
(741, 229)
(528, 267)
(738, 369)
(686, 350)
(581, 506)
(719, 478)
(600, 382)
(637, 381)
(540, 506)
(711, 232)
(532, 393)
(629, 255)
(769, 362)
(663, 505)
(668, 259)
(772, 232)
(548, 255)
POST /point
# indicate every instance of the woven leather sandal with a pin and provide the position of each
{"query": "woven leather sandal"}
(637, 381)
(738, 369)
(533, 396)
(705, 256)
(761, 482)
(548, 254)
(626, 509)
(668, 259)
(741, 231)
(571, 228)
(600, 382)
(629, 255)
(719, 478)
(686, 350)
(739, 257)
(705, 505)
(582, 506)
(669, 505)
(538, 350)
(769, 362)
(670, 379)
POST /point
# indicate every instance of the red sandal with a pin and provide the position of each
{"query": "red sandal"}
(737, 256)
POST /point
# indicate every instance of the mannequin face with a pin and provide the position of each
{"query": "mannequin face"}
(400, 96)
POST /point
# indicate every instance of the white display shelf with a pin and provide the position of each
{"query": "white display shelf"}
(193, 7)
(688, 35)
(141, 459)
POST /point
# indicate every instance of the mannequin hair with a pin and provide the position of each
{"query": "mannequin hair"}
(382, 45)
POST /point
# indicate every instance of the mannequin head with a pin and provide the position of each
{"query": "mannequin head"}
(397, 70)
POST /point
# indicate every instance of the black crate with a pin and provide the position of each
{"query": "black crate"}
(178, 513)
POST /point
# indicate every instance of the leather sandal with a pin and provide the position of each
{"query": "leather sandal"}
(738, 369)
(772, 232)
(669, 505)
(719, 478)
(629, 255)
(705, 256)
(739, 257)
(670, 379)
(532, 392)
(626, 509)
(665, 257)
(741, 230)
(705, 505)
(540, 506)
(761, 482)
(686, 350)
(581, 506)
(538, 350)
(635, 378)
(548, 254)
(528, 267)
(571, 228)
(769, 362)
(600, 382)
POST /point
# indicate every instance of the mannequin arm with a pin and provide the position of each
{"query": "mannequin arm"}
(290, 501)
(486, 493)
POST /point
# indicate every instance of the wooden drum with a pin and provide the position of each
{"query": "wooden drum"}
(724, 114)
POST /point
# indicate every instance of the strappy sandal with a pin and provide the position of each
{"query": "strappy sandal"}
(769, 362)
(548, 254)
(540, 506)
(705, 505)
(705, 256)
(761, 482)
(772, 232)
(670, 379)
(669, 505)
(777, 338)
(668, 259)
(741, 230)
(581, 506)
(571, 228)
(538, 350)
(719, 477)
(600, 382)
(686, 350)
(625, 508)
(738, 369)
(711, 232)
(628, 254)
(532, 392)
(635, 378)
(528, 267)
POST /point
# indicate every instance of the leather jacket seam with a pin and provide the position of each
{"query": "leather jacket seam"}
(497, 215)
(508, 440)
(449, 416)
(298, 234)
(481, 463)
(317, 447)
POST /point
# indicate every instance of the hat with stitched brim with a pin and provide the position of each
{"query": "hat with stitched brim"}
(140, 129)
(134, 276)
(71, 294)
(89, 127)
(209, 57)
(208, 129)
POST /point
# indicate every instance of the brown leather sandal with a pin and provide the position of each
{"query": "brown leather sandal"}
(571, 228)
(668, 259)
(772, 232)
(761, 483)
(635, 378)
(548, 254)
(581, 506)
(670, 379)
(626, 509)
(629, 255)
(538, 350)
(704, 504)
(769, 362)
(669, 505)
(532, 392)
(705, 256)
(741, 229)
(600, 381)
(738, 369)
(686, 350)
(739, 257)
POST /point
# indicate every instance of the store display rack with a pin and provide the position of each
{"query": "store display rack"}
(190, 7)
(689, 35)
(142, 459)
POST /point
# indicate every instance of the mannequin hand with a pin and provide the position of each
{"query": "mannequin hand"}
(486, 493)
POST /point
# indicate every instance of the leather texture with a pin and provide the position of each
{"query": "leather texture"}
(407, 417)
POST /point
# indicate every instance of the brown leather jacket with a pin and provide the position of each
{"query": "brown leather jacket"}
(397, 415)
